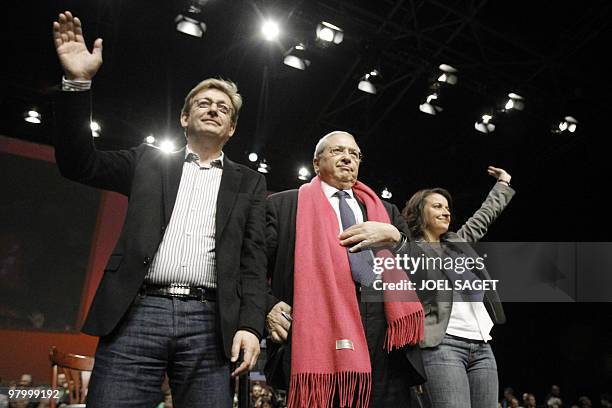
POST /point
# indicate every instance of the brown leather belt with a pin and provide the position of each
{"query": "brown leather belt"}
(179, 291)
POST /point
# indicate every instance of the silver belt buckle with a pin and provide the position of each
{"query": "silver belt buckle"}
(179, 290)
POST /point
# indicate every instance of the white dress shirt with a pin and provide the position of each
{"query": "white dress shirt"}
(329, 192)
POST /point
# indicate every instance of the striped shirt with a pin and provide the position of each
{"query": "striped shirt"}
(186, 254)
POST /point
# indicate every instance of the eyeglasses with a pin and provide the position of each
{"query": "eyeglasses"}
(206, 104)
(340, 150)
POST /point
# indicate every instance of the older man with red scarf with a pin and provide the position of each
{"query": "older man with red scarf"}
(331, 346)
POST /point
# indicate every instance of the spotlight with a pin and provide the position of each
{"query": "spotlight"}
(95, 128)
(150, 139)
(263, 167)
(386, 194)
(270, 30)
(569, 123)
(32, 116)
(296, 57)
(253, 157)
(328, 33)
(190, 22)
(368, 81)
(167, 146)
(447, 74)
(514, 102)
(303, 173)
(430, 105)
(485, 125)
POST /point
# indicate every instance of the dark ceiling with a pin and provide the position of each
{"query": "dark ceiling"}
(552, 54)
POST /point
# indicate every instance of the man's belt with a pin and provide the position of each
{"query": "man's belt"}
(179, 291)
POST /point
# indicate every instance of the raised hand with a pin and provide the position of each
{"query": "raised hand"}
(78, 63)
(499, 174)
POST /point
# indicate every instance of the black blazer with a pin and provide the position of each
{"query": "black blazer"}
(281, 213)
(150, 179)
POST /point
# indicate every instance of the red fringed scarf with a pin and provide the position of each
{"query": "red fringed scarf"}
(325, 307)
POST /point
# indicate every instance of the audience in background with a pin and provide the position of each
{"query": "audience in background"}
(263, 397)
(555, 392)
(508, 395)
(552, 400)
(529, 401)
(514, 403)
(606, 400)
(584, 402)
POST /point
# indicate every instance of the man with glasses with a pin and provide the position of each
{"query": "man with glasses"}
(331, 345)
(184, 291)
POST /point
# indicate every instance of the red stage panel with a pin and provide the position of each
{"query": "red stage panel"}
(25, 349)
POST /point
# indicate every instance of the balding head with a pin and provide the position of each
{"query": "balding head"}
(322, 143)
(336, 160)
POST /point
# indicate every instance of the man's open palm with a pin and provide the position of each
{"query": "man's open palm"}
(77, 61)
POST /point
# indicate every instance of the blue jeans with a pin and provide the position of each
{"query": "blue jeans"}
(157, 336)
(460, 374)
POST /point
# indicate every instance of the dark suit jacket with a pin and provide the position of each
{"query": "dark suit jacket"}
(150, 179)
(280, 242)
(438, 304)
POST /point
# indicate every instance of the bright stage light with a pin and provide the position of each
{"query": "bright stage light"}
(447, 74)
(270, 30)
(328, 33)
(368, 82)
(190, 22)
(263, 167)
(430, 105)
(32, 116)
(569, 124)
(485, 125)
(96, 129)
(296, 57)
(515, 102)
(167, 146)
(303, 173)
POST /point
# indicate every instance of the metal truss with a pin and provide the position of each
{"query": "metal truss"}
(420, 34)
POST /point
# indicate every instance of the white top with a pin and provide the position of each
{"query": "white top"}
(470, 320)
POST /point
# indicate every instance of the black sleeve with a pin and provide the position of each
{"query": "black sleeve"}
(253, 264)
(75, 153)
(271, 248)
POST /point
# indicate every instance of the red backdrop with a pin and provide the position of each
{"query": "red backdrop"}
(27, 351)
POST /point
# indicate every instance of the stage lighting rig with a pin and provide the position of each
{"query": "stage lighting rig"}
(297, 57)
(328, 33)
(369, 81)
(190, 20)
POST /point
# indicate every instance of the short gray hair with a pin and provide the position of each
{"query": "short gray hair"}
(322, 143)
